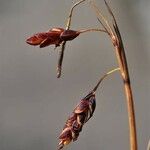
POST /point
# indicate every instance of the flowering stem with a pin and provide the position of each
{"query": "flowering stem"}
(122, 61)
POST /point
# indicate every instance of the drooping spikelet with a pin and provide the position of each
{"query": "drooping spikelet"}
(81, 114)
(54, 36)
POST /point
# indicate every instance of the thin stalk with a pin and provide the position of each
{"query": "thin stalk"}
(91, 30)
(71, 12)
(60, 59)
(61, 52)
(103, 77)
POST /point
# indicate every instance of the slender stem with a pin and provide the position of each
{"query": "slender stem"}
(91, 30)
(63, 45)
(103, 77)
(70, 14)
(122, 61)
(60, 59)
(128, 91)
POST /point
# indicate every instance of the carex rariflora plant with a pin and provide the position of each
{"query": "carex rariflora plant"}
(59, 36)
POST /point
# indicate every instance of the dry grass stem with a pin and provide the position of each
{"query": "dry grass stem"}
(121, 57)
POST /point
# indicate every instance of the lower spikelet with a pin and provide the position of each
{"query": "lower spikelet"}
(81, 114)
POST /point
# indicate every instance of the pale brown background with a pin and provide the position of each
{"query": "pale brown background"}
(34, 104)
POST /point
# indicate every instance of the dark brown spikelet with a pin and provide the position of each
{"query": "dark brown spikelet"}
(46, 38)
(69, 35)
(81, 114)
(54, 36)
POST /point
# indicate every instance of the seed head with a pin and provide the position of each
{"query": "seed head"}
(81, 114)
(54, 36)
(46, 38)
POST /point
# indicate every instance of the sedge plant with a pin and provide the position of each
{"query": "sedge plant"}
(84, 110)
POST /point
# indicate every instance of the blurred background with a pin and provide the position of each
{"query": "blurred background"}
(34, 104)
